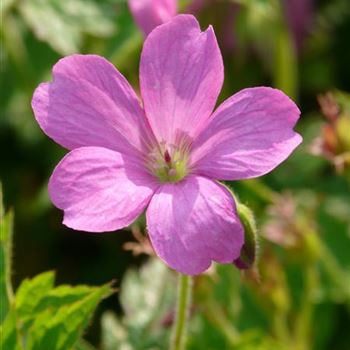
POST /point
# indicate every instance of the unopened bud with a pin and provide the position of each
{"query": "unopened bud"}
(249, 249)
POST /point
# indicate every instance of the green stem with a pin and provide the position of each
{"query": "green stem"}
(216, 316)
(8, 257)
(286, 61)
(178, 338)
(259, 189)
(6, 232)
(286, 65)
(280, 326)
(303, 323)
(121, 56)
(335, 272)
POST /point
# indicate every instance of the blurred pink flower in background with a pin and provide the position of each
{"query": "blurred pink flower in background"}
(166, 154)
(297, 13)
(148, 14)
(333, 142)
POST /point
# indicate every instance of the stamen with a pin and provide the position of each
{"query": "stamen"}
(168, 162)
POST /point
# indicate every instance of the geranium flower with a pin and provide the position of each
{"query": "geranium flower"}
(166, 155)
(149, 14)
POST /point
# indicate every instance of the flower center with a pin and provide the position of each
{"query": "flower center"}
(168, 163)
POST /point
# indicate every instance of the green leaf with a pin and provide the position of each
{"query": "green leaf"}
(144, 297)
(6, 233)
(31, 292)
(53, 318)
(114, 334)
(62, 24)
(147, 302)
(61, 296)
(8, 333)
(59, 330)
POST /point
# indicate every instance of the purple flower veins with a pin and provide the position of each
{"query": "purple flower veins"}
(166, 155)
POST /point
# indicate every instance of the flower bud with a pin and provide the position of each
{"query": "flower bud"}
(249, 249)
(334, 140)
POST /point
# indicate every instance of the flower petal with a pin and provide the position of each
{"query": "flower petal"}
(193, 222)
(299, 15)
(89, 103)
(181, 74)
(248, 135)
(99, 189)
(149, 14)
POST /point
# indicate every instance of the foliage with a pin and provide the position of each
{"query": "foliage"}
(62, 23)
(39, 315)
(147, 302)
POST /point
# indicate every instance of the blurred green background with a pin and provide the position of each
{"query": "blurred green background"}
(298, 296)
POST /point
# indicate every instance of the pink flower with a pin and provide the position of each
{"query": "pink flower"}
(149, 14)
(298, 14)
(166, 156)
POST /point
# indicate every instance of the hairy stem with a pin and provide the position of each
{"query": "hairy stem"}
(178, 339)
